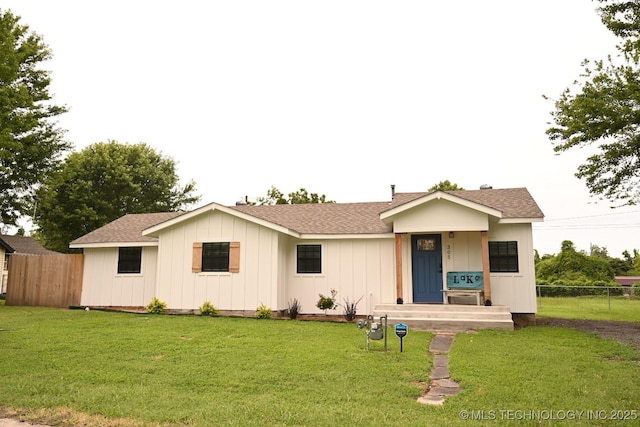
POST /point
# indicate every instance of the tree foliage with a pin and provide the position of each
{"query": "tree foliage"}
(103, 182)
(570, 264)
(602, 109)
(30, 141)
(302, 196)
(445, 185)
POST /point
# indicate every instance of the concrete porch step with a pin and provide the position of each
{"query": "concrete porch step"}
(434, 317)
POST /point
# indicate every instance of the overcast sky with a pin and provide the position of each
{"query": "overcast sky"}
(341, 97)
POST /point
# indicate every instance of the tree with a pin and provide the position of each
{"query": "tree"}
(302, 196)
(603, 109)
(30, 142)
(570, 264)
(103, 182)
(445, 186)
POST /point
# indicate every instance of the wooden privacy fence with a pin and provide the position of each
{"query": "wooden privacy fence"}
(45, 280)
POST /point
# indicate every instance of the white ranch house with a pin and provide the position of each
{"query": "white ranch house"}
(419, 251)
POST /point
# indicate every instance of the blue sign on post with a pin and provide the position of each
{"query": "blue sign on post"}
(401, 332)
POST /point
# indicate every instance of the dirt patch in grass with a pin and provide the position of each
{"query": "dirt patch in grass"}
(623, 332)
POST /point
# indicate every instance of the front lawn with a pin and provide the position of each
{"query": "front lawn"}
(620, 308)
(67, 367)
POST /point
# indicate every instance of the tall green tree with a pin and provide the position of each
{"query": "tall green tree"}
(103, 182)
(573, 265)
(445, 185)
(602, 109)
(302, 196)
(31, 144)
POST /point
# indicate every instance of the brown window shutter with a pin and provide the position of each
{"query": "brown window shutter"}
(196, 262)
(234, 257)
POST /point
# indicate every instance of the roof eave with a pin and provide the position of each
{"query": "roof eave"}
(111, 245)
(387, 216)
(211, 207)
(519, 220)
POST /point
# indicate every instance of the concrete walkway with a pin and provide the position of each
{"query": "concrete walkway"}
(441, 385)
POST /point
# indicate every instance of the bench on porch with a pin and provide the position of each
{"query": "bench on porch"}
(465, 283)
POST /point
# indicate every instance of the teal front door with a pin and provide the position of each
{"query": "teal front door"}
(426, 257)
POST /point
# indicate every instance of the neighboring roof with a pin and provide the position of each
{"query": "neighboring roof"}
(321, 219)
(126, 229)
(25, 245)
(7, 248)
(627, 280)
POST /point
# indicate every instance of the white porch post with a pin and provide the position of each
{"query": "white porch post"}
(399, 295)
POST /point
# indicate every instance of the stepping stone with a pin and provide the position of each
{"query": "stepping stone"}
(444, 391)
(441, 344)
(446, 382)
(431, 400)
(439, 373)
(441, 360)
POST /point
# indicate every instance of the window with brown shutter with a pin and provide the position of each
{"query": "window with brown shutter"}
(216, 257)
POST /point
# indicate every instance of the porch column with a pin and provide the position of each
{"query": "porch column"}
(486, 275)
(399, 268)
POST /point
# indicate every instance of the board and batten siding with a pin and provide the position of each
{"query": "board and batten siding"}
(354, 267)
(103, 286)
(440, 216)
(255, 283)
(515, 290)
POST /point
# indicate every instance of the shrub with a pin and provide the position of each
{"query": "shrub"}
(294, 308)
(263, 312)
(208, 309)
(327, 303)
(156, 306)
(350, 309)
(635, 289)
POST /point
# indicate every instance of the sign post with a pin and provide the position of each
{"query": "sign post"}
(401, 332)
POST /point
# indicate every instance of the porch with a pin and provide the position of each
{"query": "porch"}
(453, 317)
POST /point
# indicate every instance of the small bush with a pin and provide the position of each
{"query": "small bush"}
(327, 303)
(294, 308)
(350, 309)
(635, 289)
(156, 306)
(208, 309)
(263, 312)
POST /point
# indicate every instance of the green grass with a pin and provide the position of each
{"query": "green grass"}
(590, 307)
(128, 369)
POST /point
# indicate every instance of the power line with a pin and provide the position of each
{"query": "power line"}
(584, 227)
(591, 216)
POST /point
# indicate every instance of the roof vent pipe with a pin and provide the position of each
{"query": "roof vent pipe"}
(486, 187)
(393, 191)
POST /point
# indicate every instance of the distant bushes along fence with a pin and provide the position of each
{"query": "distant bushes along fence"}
(574, 288)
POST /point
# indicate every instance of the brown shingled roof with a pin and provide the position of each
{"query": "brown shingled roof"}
(325, 218)
(126, 229)
(26, 245)
(512, 202)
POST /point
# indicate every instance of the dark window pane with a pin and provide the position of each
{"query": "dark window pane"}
(215, 256)
(309, 259)
(129, 260)
(503, 257)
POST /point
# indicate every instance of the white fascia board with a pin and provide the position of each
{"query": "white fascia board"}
(345, 236)
(438, 195)
(519, 220)
(154, 231)
(113, 245)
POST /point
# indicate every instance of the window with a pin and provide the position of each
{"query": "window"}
(216, 257)
(129, 260)
(309, 259)
(503, 257)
